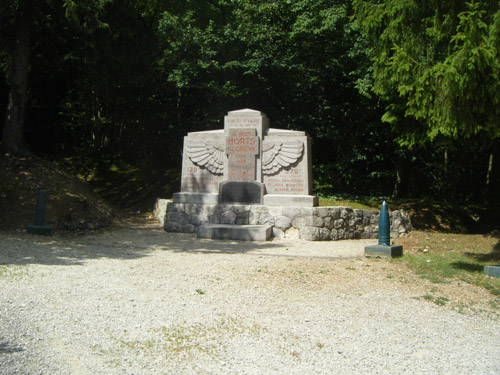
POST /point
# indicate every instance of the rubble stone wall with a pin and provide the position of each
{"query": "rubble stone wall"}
(307, 223)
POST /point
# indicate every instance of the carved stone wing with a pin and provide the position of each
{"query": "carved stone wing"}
(207, 155)
(278, 155)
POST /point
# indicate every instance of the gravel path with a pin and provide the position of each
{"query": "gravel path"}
(143, 301)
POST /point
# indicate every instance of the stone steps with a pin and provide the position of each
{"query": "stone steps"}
(235, 232)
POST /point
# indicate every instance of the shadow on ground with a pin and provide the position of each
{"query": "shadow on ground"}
(6, 348)
(125, 243)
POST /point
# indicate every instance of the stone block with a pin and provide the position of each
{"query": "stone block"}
(259, 209)
(214, 219)
(328, 222)
(314, 221)
(203, 166)
(334, 212)
(220, 208)
(323, 211)
(492, 271)
(324, 234)
(198, 219)
(339, 223)
(242, 218)
(392, 251)
(175, 207)
(171, 226)
(307, 211)
(334, 235)
(275, 210)
(253, 218)
(299, 222)
(283, 222)
(235, 232)
(309, 233)
(292, 174)
(291, 212)
(200, 198)
(358, 213)
(227, 217)
(346, 212)
(160, 210)
(291, 233)
(266, 219)
(278, 233)
(239, 209)
(177, 217)
(290, 200)
(189, 228)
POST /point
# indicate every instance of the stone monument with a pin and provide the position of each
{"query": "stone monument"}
(249, 181)
(247, 162)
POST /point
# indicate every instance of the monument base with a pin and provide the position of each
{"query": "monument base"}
(200, 198)
(39, 229)
(309, 223)
(235, 232)
(492, 271)
(290, 200)
(392, 251)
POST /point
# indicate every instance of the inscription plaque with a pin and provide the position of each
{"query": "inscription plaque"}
(241, 192)
(242, 146)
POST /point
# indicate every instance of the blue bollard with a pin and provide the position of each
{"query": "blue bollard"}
(384, 246)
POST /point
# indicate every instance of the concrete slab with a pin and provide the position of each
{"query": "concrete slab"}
(235, 232)
(392, 251)
(203, 198)
(492, 271)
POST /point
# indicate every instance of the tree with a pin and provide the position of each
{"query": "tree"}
(438, 63)
(21, 20)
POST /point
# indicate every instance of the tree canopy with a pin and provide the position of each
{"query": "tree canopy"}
(133, 77)
(436, 62)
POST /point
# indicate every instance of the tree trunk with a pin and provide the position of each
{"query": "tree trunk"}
(401, 184)
(493, 176)
(13, 134)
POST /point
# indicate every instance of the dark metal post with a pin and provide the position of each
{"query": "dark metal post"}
(40, 209)
(384, 246)
(39, 227)
(384, 236)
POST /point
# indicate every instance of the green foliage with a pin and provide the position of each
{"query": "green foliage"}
(135, 76)
(437, 63)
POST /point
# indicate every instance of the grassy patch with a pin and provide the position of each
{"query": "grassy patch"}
(455, 256)
(353, 203)
(11, 271)
(188, 341)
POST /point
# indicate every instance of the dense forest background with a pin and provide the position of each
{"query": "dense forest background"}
(400, 98)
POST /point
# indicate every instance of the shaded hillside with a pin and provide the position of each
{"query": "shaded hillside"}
(71, 205)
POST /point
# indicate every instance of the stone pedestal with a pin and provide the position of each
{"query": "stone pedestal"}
(492, 271)
(39, 229)
(235, 232)
(392, 251)
(201, 198)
